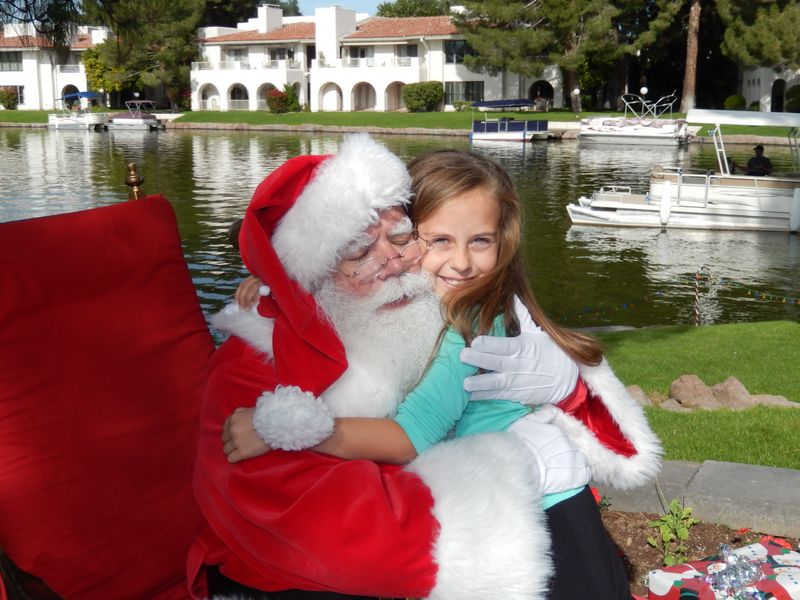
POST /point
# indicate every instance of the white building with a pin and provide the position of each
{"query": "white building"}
(41, 76)
(340, 61)
(768, 88)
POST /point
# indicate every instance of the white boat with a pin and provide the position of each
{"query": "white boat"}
(701, 199)
(138, 117)
(642, 123)
(507, 129)
(78, 117)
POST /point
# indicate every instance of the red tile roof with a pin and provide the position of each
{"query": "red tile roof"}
(384, 27)
(29, 41)
(290, 31)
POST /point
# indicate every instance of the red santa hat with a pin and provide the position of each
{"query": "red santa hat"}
(312, 207)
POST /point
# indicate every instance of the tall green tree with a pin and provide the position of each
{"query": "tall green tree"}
(524, 36)
(153, 42)
(762, 33)
(413, 8)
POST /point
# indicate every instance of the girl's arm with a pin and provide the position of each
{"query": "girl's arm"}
(379, 440)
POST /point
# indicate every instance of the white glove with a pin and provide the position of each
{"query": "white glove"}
(561, 465)
(529, 368)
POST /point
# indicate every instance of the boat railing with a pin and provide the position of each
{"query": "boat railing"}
(615, 189)
(648, 109)
(793, 134)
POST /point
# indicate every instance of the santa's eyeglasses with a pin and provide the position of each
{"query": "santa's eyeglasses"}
(367, 270)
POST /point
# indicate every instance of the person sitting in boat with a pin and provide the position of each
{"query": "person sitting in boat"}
(359, 338)
(759, 164)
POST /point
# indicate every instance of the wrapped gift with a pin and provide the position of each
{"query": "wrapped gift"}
(762, 571)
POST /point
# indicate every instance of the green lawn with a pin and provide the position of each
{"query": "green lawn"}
(390, 120)
(763, 356)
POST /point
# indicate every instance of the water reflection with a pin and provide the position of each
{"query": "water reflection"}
(583, 276)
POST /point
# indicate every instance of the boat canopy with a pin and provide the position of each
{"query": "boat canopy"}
(518, 102)
(742, 117)
(76, 95)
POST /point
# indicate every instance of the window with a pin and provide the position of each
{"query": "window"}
(455, 51)
(237, 54)
(407, 51)
(277, 53)
(10, 61)
(469, 91)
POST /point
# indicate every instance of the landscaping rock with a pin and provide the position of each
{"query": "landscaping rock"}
(732, 394)
(769, 400)
(691, 392)
(673, 405)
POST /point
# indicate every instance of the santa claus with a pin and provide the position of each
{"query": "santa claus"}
(463, 520)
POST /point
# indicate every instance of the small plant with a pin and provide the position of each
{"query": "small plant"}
(8, 98)
(277, 101)
(673, 528)
(735, 102)
(292, 101)
(462, 105)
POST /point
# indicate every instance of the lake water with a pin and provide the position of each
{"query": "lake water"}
(583, 276)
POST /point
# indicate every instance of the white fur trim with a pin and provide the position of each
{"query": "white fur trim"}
(248, 325)
(338, 204)
(609, 467)
(291, 419)
(493, 543)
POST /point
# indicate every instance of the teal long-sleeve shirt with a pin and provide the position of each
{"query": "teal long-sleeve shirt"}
(439, 405)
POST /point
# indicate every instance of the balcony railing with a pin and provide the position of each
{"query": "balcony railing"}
(69, 68)
(239, 104)
(246, 65)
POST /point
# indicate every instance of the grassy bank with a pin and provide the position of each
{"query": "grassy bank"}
(390, 120)
(763, 356)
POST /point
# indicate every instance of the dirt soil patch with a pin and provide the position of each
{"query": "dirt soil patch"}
(630, 531)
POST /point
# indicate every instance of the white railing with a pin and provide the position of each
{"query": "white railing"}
(69, 68)
(202, 66)
(238, 104)
(234, 65)
(360, 62)
(270, 64)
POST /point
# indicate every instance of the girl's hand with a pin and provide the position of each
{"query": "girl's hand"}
(239, 438)
(248, 293)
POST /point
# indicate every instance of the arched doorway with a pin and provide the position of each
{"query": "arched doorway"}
(542, 93)
(364, 97)
(777, 96)
(209, 98)
(330, 97)
(394, 96)
(69, 89)
(238, 98)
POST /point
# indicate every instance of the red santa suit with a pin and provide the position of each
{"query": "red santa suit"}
(463, 520)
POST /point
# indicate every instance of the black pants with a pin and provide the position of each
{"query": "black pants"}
(588, 564)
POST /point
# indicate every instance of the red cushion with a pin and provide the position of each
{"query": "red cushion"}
(103, 354)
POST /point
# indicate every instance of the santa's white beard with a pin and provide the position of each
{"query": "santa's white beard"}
(387, 349)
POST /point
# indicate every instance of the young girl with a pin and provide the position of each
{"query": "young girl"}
(467, 216)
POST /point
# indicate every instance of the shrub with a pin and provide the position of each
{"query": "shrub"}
(793, 99)
(425, 96)
(735, 102)
(754, 105)
(277, 101)
(462, 105)
(8, 98)
(292, 100)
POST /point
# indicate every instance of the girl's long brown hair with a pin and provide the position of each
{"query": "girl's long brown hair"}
(471, 309)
